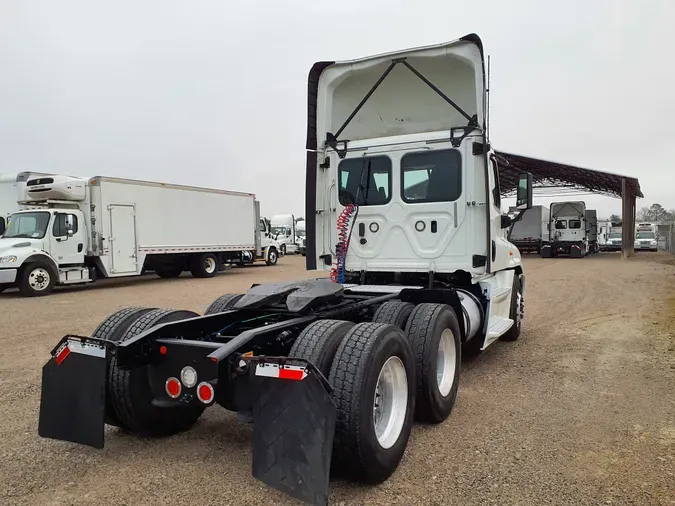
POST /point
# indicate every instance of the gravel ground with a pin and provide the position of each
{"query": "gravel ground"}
(580, 410)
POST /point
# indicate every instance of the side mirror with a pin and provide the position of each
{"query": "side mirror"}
(524, 192)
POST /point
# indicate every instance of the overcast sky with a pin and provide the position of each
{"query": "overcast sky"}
(213, 92)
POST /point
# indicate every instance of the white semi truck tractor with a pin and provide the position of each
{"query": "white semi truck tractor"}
(403, 208)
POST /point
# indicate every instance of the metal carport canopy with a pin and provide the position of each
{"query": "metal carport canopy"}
(547, 174)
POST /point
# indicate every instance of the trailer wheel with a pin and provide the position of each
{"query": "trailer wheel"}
(169, 271)
(36, 279)
(272, 257)
(223, 303)
(433, 334)
(204, 265)
(373, 379)
(319, 342)
(130, 392)
(394, 313)
(517, 311)
(112, 329)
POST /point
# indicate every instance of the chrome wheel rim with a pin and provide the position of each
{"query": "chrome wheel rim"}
(446, 362)
(39, 279)
(391, 402)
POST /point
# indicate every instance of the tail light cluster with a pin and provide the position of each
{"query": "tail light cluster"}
(188, 379)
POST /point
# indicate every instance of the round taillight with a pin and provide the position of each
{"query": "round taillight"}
(205, 392)
(188, 376)
(173, 388)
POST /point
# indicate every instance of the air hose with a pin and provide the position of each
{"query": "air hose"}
(344, 228)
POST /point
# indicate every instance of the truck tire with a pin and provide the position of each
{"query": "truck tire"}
(517, 310)
(223, 303)
(272, 257)
(3, 288)
(112, 329)
(169, 271)
(319, 342)
(130, 392)
(433, 334)
(372, 360)
(36, 279)
(394, 313)
(204, 265)
(283, 250)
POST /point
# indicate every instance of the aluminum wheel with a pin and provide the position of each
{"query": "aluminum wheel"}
(210, 265)
(391, 402)
(446, 362)
(39, 279)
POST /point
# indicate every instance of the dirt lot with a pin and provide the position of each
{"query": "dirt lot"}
(580, 410)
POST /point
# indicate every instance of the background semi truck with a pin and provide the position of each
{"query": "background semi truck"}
(532, 230)
(568, 231)
(283, 230)
(75, 230)
(337, 369)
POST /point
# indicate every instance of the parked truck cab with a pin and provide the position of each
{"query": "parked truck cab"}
(568, 231)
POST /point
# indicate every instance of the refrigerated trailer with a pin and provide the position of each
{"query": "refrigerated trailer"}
(404, 214)
(74, 230)
(532, 230)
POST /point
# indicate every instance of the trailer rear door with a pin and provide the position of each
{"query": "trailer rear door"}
(123, 238)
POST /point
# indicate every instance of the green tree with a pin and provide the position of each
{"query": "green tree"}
(615, 217)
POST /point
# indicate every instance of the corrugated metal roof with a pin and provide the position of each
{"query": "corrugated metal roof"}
(551, 174)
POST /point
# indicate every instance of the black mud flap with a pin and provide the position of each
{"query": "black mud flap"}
(293, 426)
(72, 404)
(546, 251)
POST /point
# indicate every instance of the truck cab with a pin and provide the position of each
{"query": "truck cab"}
(568, 230)
(282, 227)
(43, 247)
(405, 185)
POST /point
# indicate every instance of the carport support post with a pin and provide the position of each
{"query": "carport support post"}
(627, 220)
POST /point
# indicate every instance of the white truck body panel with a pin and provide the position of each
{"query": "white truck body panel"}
(139, 217)
(533, 226)
(399, 124)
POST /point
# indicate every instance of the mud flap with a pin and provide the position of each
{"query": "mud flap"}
(72, 403)
(293, 426)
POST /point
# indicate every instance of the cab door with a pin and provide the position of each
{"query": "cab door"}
(67, 238)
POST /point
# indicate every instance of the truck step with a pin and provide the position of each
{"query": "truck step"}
(498, 327)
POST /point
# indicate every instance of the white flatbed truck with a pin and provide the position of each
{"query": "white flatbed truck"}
(74, 230)
(403, 207)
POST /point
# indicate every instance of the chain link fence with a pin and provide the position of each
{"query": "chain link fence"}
(670, 239)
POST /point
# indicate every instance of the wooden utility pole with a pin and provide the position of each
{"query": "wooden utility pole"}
(627, 220)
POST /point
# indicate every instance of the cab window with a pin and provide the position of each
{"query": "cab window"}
(64, 222)
(365, 181)
(431, 176)
(575, 224)
(560, 224)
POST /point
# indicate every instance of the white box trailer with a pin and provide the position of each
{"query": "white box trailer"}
(73, 230)
(531, 231)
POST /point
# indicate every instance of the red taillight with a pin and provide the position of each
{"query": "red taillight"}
(162, 350)
(173, 388)
(205, 392)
